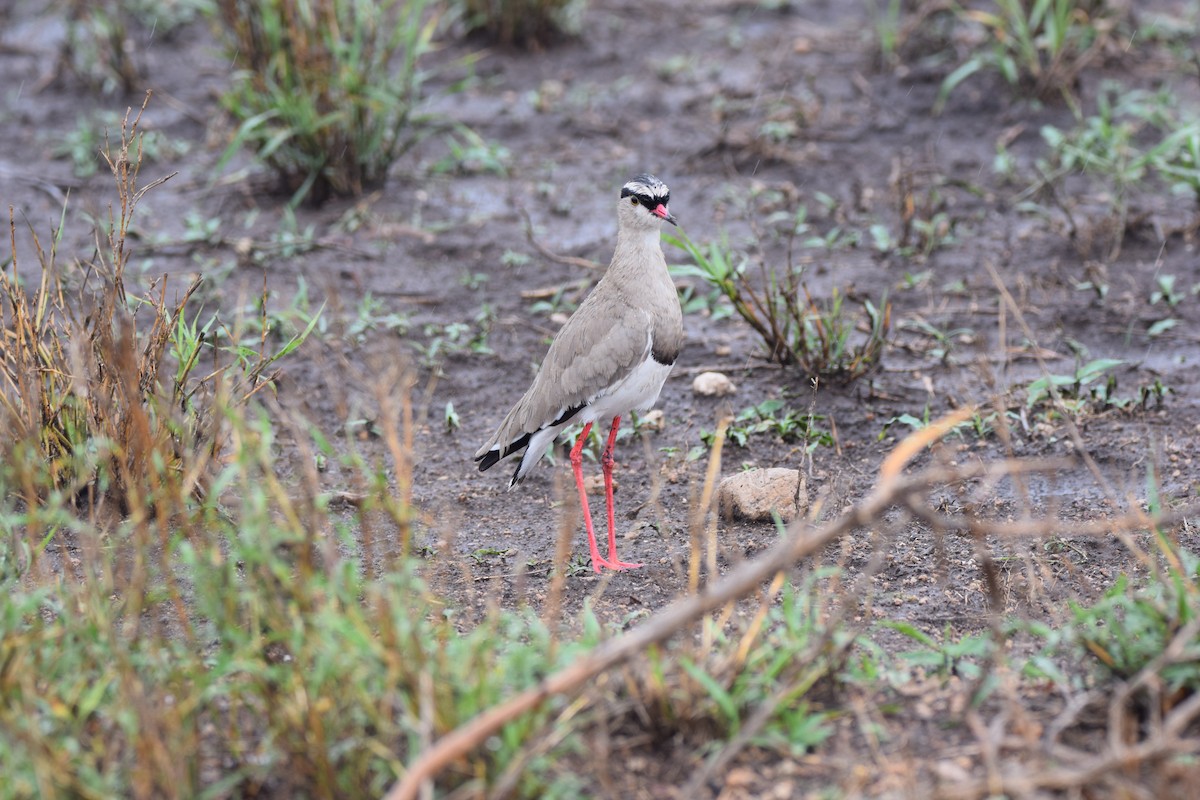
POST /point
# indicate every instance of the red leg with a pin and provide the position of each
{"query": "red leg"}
(577, 466)
(607, 464)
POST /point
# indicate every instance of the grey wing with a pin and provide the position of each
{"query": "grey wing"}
(589, 361)
(591, 352)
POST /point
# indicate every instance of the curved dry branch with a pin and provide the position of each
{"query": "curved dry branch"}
(801, 540)
(571, 261)
(1165, 744)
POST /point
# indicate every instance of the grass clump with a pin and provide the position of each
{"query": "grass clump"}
(1140, 640)
(1039, 47)
(102, 47)
(1126, 630)
(819, 337)
(180, 620)
(1134, 144)
(98, 380)
(327, 94)
(529, 24)
(80, 370)
(99, 49)
(774, 417)
(249, 647)
(1154, 627)
(754, 684)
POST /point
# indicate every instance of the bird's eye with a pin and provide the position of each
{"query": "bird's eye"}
(633, 200)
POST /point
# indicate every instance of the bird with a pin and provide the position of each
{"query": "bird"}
(611, 358)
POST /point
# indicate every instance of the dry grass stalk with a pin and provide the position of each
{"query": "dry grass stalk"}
(77, 371)
(801, 541)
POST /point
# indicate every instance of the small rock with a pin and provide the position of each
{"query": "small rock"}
(713, 384)
(951, 772)
(722, 350)
(594, 484)
(559, 318)
(549, 93)
(653, 420)
(740, 776)
(754, 494)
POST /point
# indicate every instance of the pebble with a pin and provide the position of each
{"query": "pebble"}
(594, 484)
(756, 493)
(713, 384)
(653, 420)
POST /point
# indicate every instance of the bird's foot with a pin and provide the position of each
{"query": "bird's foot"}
(612, 563)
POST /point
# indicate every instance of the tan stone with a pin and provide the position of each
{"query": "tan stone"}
(713, 384)
(754, 494)
(653, 420)
(594, 484)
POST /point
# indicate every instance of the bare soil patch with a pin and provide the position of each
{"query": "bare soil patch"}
(744, 111)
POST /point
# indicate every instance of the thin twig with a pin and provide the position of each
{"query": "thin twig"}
(513, 575)
(800, 541)
(550, 254)
(1167, 744)
(1133, 521)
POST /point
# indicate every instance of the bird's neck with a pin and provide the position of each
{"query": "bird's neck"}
(636, 244)
(638, 263)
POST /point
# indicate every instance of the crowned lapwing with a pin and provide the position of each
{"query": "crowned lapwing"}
(612, 356)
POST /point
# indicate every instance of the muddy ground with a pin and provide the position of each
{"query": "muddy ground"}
(744, 111)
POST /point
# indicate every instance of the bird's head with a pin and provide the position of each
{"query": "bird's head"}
(644, 203)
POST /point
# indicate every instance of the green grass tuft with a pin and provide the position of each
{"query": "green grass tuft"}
(328, 95)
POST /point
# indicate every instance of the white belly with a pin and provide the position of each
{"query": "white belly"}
(637, 391)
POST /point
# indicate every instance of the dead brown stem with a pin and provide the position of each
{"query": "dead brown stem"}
(1164, 744)
(801, 540)
(570, 261)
